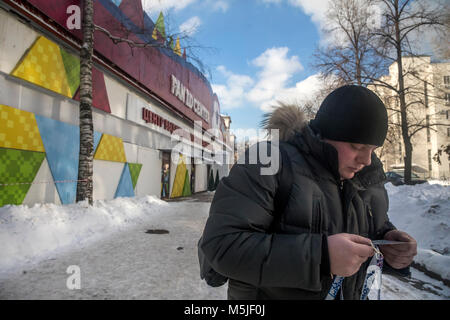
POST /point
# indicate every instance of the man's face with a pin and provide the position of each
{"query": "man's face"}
(352, 157)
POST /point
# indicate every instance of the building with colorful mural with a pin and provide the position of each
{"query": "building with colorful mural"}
(142, 96)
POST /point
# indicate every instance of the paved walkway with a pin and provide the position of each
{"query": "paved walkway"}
(204, 196)
(134, 264)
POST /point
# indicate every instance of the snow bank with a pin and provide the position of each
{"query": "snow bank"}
(423, 211)
(441, 182)
(30, 234)
(435, 262)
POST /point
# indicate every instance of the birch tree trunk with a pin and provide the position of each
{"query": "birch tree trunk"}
(86, 157)
(401, 95)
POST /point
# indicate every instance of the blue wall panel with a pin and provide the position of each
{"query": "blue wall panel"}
(62, 146)
(125, 187)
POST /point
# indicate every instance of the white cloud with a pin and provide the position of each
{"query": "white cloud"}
(190, 26)
(220, 5)
(270, 85)
(316, 9)
(302, 92)
(155, 6)
(277, 70)
(271, 1)
(232, 95)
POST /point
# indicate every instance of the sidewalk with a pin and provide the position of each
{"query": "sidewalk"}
(204, 196)
(137, 263)
(133, 264)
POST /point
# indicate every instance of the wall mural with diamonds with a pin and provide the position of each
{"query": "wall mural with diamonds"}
(38, 153)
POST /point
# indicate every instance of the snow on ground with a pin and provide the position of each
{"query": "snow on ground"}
(423, 211)
(119, 260)
(29, 234)
(441, 182)
(127, 264)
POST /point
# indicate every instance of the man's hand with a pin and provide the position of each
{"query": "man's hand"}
(400, 255)
(347, 253)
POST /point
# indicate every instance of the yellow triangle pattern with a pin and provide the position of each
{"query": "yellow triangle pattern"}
(180, 174)
(19, 130)
(177, 49)
(110, 148)
(44, 66)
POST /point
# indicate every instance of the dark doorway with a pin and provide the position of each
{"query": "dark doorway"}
(165, 175)
(209, 184)
(192, 176)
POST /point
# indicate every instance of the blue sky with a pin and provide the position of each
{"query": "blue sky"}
(261, 49)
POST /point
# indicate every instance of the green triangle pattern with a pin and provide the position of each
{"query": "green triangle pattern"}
(187, 185)
(135, 170)
(159, 25)
(72, 67)
(171, 44)
(17, 166)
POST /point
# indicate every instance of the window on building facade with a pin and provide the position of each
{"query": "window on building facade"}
(447, 81)
(428, 129)
(447, 98)
(425, 92)
(429, 161)
(448, 132)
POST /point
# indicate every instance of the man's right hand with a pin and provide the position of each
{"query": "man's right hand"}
(347, 253)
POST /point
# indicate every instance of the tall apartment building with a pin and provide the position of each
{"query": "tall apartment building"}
(427, 86)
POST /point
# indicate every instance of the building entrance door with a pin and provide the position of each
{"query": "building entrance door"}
(165, 175)
(192, 176)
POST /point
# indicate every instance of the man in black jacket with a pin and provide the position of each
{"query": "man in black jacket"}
(336, 206)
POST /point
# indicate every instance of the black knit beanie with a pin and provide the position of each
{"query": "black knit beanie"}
(352, 114)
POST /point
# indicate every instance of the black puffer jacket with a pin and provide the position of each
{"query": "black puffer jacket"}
(287, 258)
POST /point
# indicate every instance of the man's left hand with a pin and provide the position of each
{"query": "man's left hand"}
(399, 256)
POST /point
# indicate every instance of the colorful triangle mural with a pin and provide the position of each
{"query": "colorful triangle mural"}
(177, 49)
(171, 44)
(110, 148)
(160, 26)
(125, 187)
(187, 186)
(180, 175)
(155, 34)
(43, 189)
(135, 170)
(62, 146)
(117, 2)
(72, 67)
(97, 137)
(100, 98)
(43, 65)
(19, 130)
(17, 166)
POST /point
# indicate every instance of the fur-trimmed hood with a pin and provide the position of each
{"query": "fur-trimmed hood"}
(288, 118)
(293, 126)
